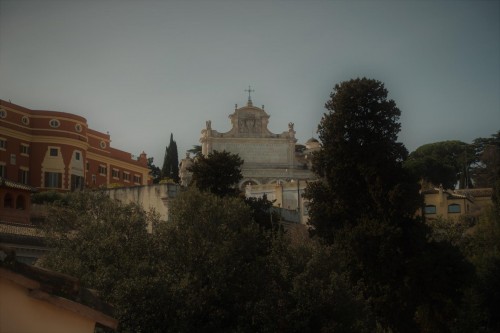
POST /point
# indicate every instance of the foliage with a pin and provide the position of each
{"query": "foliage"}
(213, 258)
(218, 173)
(486, 170)
(154, 171)
(196, 150)
(170, 167)
(360, 164)
(442, 163)
(209, 269)
(364, 206)
(227, 275)
(262, 213)
(106, 245)
(47, 197)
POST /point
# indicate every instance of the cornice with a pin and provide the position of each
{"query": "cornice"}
(119, 163)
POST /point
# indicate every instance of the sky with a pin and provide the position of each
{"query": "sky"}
(141, 70)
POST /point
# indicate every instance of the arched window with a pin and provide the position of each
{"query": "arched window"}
(7, 201)
(430, 209)
(20, 202)
(454, 208)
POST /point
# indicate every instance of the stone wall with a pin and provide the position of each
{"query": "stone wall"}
(150, 197)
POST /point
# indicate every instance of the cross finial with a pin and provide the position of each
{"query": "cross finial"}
(249, 90)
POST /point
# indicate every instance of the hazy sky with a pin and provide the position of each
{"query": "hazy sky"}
(144, 69)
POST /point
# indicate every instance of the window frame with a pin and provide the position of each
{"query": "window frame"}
(52, 179)
(451, 209)
(54, 123)
(427, 209)
(54, 149)
(25, 149)
(102, 170)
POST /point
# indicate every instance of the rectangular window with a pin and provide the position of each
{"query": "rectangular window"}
(53, 179)
(115, 173)
(87, 166)
(25, 149)
(2, 170)
(13, 159)
(77, 155)
(3, 144)
(54, 152)
(102, 170)
(126, 176)
(137, 179)
(23, 176)
(93, 179)
(430, 209)
(454, 208)
(76, 183)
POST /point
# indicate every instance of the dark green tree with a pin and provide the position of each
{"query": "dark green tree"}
(214, 261)
(364, 206)
(196, 150)
(443, 163)
(262, 213)
(360, 165)
(170, 167)
(225, 275)
(218, 173)
(486, 171)
(154, 171)
(107, 247)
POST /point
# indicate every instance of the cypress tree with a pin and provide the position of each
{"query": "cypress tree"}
(170, 167)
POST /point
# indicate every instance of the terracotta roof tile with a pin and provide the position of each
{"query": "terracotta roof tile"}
(16, 185)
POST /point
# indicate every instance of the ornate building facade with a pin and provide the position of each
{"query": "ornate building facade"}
(268, 157)
(53, 150)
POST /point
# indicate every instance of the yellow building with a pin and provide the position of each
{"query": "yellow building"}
(454, 204)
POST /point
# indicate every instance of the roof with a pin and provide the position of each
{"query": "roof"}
(15, 185)
(476, 192)
(20, 233)
(469, 193)
(58, 289)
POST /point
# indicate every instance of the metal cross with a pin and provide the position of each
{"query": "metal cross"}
(249, 91)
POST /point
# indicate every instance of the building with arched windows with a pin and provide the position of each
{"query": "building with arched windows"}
(269, 158)
(15, 201)
(52, 150)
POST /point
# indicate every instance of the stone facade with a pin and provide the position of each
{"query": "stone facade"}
(151, 197)
(287, 196)
(268, 157)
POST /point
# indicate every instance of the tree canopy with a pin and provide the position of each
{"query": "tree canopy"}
(210, 268)
(154, 171)
(364, 206)
(443, 163)
(106, 245)
(360, 164)
(486, 170)
(170, 167)
(218, 173)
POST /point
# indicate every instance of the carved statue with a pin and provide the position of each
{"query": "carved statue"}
(290, 126)
(209, 124)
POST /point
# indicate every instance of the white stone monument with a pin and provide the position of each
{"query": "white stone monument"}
(268, 157)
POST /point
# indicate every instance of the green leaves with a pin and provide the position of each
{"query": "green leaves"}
(442, 163)
(170, 169)
(360, 163)
(218, 173)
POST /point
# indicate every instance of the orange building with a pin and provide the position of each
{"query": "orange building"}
(53, 150)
